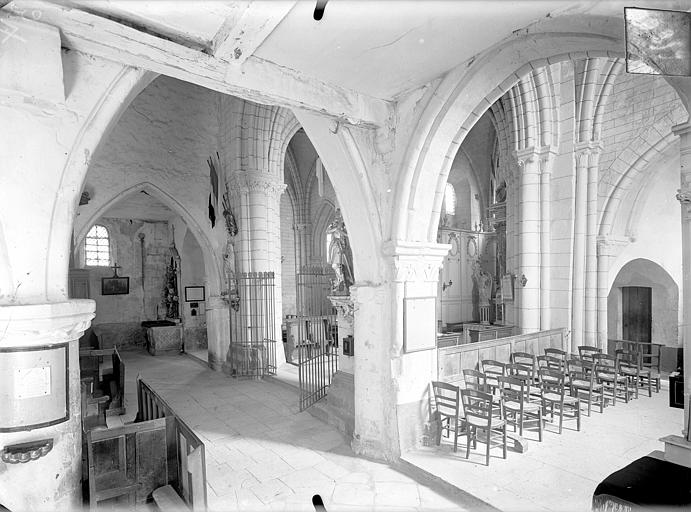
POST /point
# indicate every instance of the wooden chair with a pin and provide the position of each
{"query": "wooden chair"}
(447, 408)
(479, 411)
(650, 367)
(582, 379)
(526, 359)
(493, 369)
(607, 374)
(475, 379)
(515, 401)
(554, 393)
(627, 363)
(551, 362)
(586, 352)
(556, 352)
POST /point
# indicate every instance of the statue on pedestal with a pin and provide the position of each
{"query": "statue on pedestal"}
(484, 281)
(340, 255)
(229, 255)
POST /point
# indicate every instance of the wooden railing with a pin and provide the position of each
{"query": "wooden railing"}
(451, 361)
(186, 455)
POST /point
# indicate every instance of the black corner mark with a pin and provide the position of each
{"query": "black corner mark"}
(317, 501)
(319, 9)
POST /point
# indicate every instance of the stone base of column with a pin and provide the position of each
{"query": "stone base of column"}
(338, 409)
(677, 450)
(53, 481)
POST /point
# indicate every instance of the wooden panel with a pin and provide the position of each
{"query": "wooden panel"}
(636, 313)
(152, 468)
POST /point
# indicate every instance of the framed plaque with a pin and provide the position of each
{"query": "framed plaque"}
(34, 387)
(507, 287)
(419, 329)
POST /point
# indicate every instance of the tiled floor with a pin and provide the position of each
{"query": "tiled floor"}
(262, 454)
(562, 472)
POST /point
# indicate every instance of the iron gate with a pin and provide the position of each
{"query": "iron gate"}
(317, 334)
(252, 351)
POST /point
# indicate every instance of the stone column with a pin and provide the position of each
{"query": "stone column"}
(683, 131)
(52, 482)
(218, 330)
(393, 368)
(256, 203)
(607, 250)
(579, 247)
(590, 307)
(545, 240)
(528, 279)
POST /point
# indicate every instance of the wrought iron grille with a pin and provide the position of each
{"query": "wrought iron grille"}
(317, 334)
(252, 348)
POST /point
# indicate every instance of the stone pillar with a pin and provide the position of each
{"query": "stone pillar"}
(511, 307)
(218, 331)
(683, 131)
(393, 368)
(579, 248)
(256, 203)
(607, 250)
(590, 307)
(52, 482)
(545, 240)
(528, 279)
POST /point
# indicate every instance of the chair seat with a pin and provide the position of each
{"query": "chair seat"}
(611, 378)
(527, 406)
(585, 384)
(555, 397)
(481, 423)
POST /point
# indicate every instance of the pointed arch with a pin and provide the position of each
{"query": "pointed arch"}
(211, 263)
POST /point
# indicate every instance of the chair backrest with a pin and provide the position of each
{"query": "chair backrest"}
(605, 361)
(446, 398)
(514, 389)
(627, 359)
(556, 352)
(478, 405)
(552, 381)
(651, 359)
(579, 369)
(523, 358)
(490, 367)
(521, 370)
(586, 351)
(551, 362)
(475, 379)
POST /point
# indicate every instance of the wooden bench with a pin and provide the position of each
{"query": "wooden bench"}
(128, 464)
(102, 381)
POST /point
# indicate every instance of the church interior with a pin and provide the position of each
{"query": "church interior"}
(344, 255)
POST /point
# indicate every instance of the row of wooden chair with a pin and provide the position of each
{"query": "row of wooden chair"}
(528, 386)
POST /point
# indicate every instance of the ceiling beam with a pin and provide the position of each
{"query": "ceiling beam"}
(256, 79)
(240, 36)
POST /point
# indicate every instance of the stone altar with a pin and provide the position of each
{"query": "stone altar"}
(164, 339)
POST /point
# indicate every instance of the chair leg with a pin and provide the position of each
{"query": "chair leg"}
(561, 417)
(602, 400)
(489, 443)
(614, 393)
(455, 437)
(590, 401)
(578, 415)
(504, 439)
(539, 419)
(467, 446)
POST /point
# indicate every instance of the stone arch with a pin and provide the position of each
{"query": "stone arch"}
(461, 98)
(211, 263)
(99, 123)
(665, 298)
(636, 166)
(324, 217)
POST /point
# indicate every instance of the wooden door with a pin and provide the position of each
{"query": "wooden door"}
(636, 313)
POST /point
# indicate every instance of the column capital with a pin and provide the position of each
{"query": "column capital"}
(43, 324)
(255, 181)
(525, 157)
(546, 156)
(606, 244)
(587, 153)
(415, 261)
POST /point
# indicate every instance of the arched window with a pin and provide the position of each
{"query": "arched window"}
(449, 200)
(97, 247)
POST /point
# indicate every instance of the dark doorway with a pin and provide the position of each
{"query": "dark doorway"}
(636, 310)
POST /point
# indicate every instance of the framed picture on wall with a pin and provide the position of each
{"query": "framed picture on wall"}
(419, 335)
(115, 285)
(194, 294)
(507, 287)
